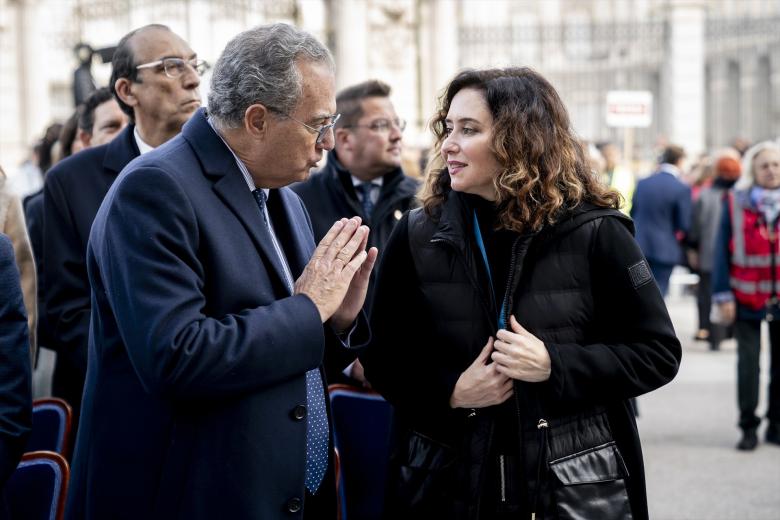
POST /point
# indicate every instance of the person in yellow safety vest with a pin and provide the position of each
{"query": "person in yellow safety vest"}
(616, 175)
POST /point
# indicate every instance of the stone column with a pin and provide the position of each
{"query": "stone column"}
(685, 81)
(351, 41)
(774, 79)
(716, 119)
(33, 73)
(748, 64)
(437, 40)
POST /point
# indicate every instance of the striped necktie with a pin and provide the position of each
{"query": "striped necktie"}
(366, 189)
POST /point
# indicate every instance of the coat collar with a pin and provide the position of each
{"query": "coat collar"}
(229, 185)
(121, 150)
(341, 174)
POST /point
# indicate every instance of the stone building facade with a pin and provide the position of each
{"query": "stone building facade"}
(713, 66)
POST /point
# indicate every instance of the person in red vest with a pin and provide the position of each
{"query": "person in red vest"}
(746, 283)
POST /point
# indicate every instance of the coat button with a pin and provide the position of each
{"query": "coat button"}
(299, 412)
(294, 505)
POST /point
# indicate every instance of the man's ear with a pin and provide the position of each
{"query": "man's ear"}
(84, 137)
(343, 139)
(124, 91)
(256, 119)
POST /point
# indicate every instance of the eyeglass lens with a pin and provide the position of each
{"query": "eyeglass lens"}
(175, 67)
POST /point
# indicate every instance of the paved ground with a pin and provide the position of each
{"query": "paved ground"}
(689, 431)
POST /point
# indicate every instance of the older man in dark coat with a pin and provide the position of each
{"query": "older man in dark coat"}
(212, 308)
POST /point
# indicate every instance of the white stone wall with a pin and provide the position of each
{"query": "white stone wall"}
(415, 46)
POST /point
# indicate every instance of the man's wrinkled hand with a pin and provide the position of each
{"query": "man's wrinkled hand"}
(330, 271)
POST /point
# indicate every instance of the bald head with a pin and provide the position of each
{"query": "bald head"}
(155, 79)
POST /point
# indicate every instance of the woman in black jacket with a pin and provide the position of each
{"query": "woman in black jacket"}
(515, 317)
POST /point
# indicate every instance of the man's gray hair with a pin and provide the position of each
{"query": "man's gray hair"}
(259, 66)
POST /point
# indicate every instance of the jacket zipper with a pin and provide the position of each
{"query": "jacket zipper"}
(543, 428)
(502, 477)
(472, 412)
(509, 280)
(773, 266)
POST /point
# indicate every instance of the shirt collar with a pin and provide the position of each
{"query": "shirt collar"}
(376, 182)
(670, 168)
(143, 147)
(250, 182)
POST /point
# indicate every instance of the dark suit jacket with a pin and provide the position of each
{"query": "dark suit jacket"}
(15, 375)
(195, 393)
(33, 216)
(73, 191)
(661, 208)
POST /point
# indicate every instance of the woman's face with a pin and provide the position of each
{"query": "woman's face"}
(766, 166)
(466, 150)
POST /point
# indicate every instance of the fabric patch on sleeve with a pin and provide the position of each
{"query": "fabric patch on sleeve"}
(640, 274)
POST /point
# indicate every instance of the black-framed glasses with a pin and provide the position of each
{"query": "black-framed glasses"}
(175, 67)
(382, 125)
(321, 131)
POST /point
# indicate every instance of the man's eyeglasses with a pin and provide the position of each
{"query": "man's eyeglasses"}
(382, 125)
(321, 131)
(175, 67)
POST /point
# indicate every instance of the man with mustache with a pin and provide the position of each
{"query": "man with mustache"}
(155, 77)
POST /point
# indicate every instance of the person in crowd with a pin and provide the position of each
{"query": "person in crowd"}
(15, 372)
(616, 175)
(213, 308)
(535, 320)
(741, 145)
(95, 122)
(745, 283)
(68, 141)
(363, 174)
(661, 210)
(155, 78)
(700, 176)
(701, 240)
(45, 149)
(101, 119)
(12, 224)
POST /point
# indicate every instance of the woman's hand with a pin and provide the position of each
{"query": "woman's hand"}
(481, 384)
(521, 355)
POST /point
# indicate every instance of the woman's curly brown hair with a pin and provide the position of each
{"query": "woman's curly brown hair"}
(545, 172)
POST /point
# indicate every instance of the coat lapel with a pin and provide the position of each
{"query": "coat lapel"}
(121, 150)
(301, 243)
(230, 187)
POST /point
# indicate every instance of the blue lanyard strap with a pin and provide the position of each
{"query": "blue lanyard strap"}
(481, 245)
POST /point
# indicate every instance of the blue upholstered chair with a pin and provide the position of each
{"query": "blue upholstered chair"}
(362, 422)
(38, 487)
(50, 426)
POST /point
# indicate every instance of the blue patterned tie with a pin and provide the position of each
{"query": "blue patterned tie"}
(317, 431)
(366, 188)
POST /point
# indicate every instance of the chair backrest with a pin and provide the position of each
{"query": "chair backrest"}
(362, 422)
(50, 426)
(38, 487)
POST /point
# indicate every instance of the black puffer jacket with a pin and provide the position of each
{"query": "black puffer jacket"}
(583, 287)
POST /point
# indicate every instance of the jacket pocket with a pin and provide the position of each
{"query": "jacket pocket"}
(425, 479)
(591, 484)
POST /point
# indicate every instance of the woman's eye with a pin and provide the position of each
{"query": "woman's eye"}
(447, 131)
(468, 131)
